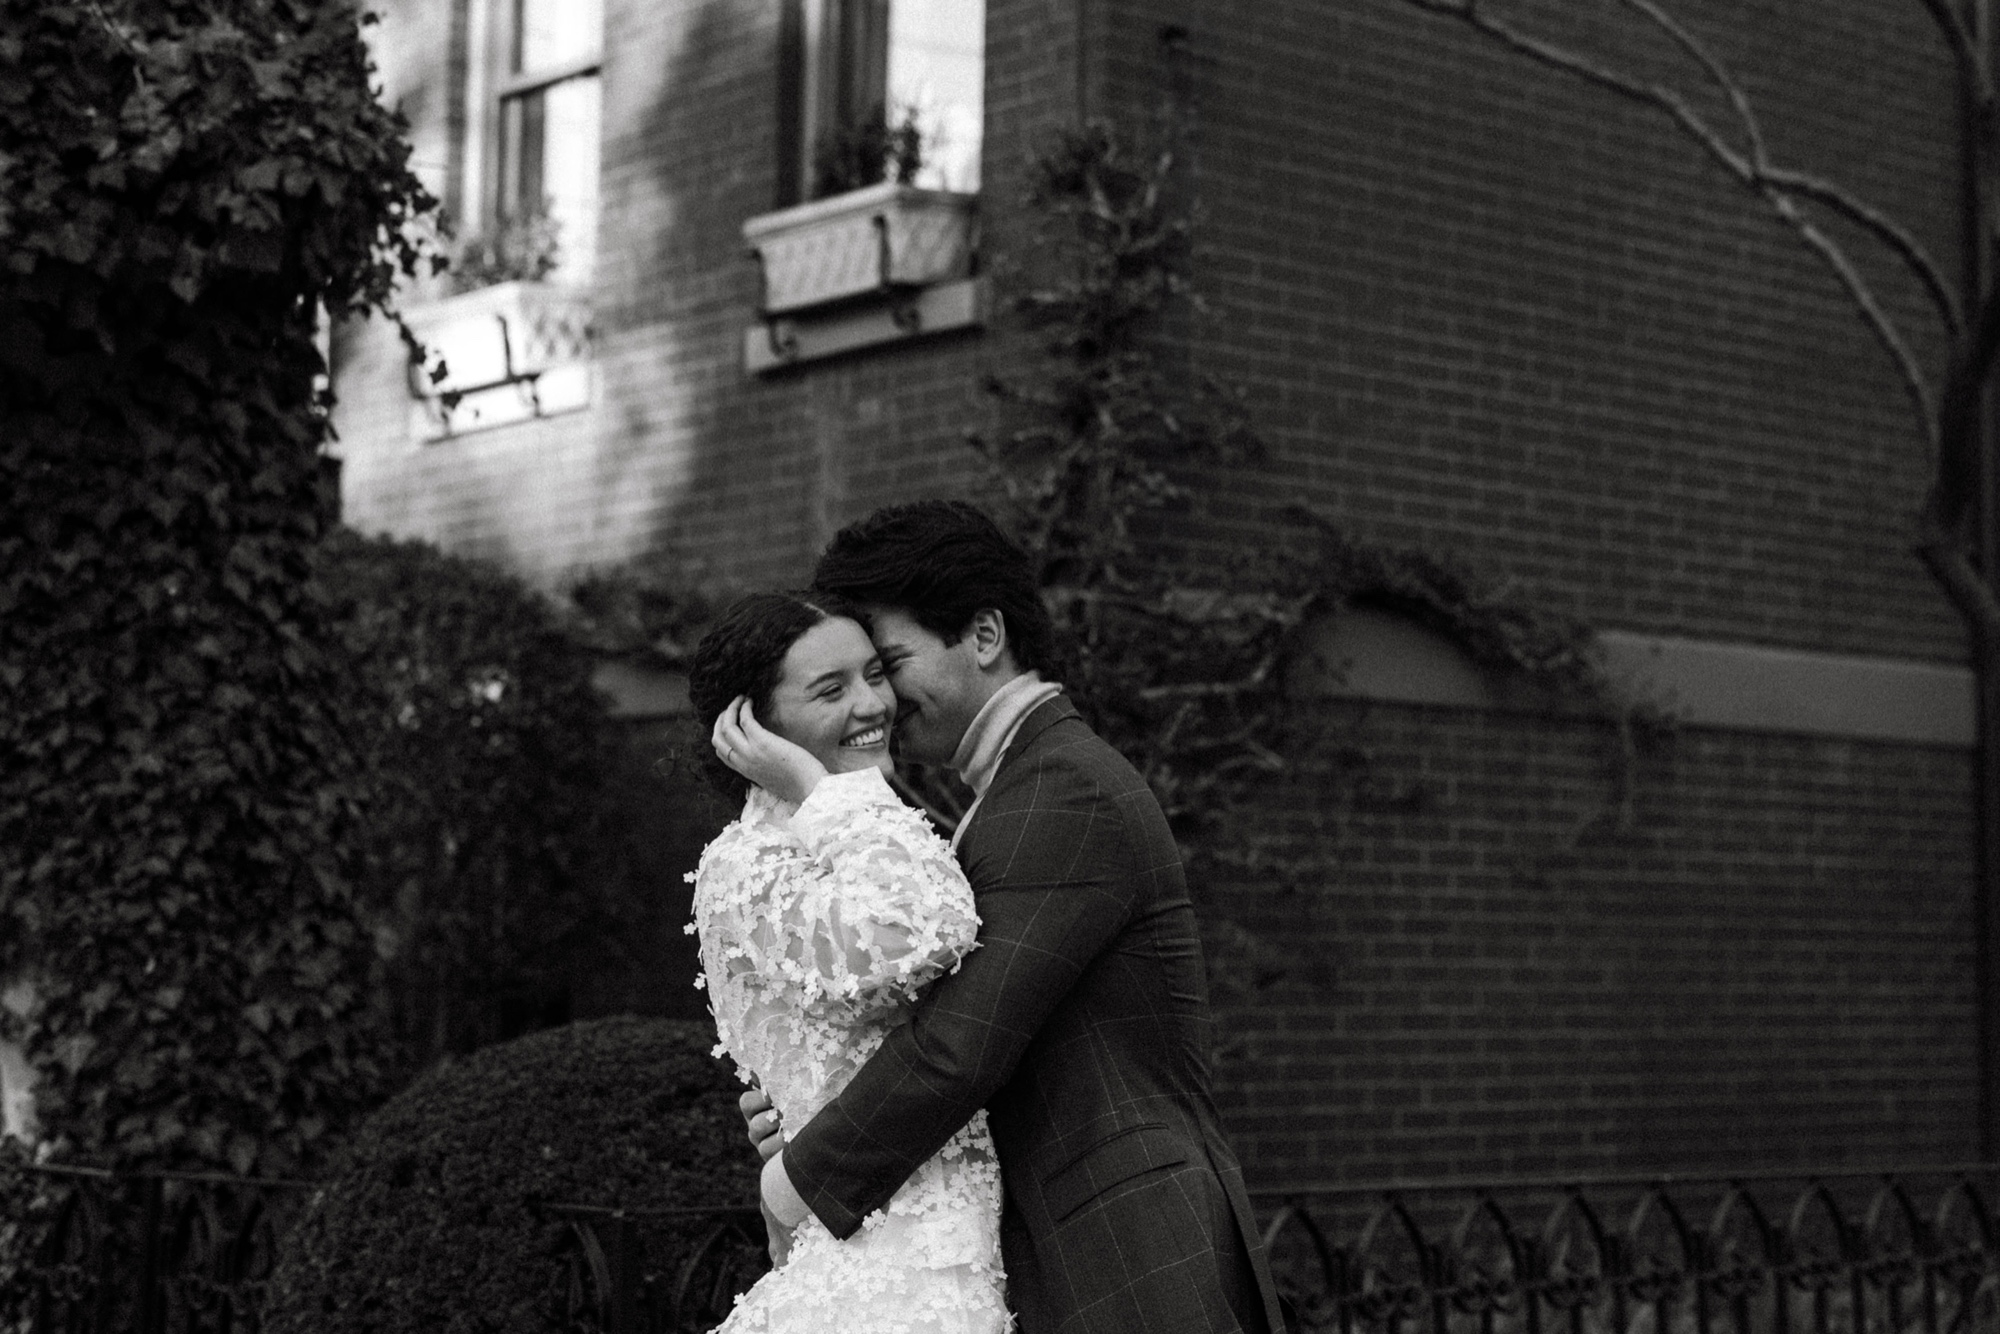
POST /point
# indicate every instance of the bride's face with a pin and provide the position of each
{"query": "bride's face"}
(834, 699)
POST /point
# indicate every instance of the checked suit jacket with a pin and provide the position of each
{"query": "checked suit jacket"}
(1081, 1024)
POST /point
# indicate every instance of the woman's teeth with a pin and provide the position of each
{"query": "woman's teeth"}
(870, 737)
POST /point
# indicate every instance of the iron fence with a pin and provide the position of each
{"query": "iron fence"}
(657, 1271)
(1905, 1251)
(192, 1253)
(152, 1252)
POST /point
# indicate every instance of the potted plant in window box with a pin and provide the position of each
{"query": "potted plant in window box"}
(513, 345)
(874, 233)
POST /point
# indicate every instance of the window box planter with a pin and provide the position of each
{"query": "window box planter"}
(512, 352)
(880, 265)
(868, 242)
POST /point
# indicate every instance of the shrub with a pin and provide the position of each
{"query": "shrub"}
(20, 1211)
(185, 187)
(867, 151)
(486, 749)
(524, 246)
(430, 1219)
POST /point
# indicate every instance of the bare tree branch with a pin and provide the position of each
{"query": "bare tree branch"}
(1546, 52)
(1657, 96)
(1915, 382)
(1885, 229)
(1734, 91)
(1775, 186)
(1964, 49)
(1889, 233)
(1949, 564)
(1957, 482)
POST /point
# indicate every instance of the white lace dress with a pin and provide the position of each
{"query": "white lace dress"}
(817, 922)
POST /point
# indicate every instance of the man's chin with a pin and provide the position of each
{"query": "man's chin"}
(912, 746)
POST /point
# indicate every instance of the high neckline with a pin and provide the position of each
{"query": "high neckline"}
(993, 727)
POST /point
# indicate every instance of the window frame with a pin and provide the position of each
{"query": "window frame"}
(490, 84)
(816, 91)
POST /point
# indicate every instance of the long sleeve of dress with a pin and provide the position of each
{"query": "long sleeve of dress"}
(847, 904)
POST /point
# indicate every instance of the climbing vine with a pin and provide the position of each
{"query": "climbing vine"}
(185, 186)
(1184, 651)
(1182, 644)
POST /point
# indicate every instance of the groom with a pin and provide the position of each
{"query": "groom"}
(1081, 1022)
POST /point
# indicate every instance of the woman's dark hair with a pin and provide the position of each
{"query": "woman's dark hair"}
(743, 653)
(941, 560)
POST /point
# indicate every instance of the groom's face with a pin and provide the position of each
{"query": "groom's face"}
(938, 685)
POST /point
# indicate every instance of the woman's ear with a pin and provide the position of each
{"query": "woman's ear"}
(989, 636)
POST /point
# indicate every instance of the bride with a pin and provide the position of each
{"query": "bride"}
(822, 911)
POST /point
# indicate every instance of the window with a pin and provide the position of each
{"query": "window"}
(546, 127)
(936, 70)
(850, 65)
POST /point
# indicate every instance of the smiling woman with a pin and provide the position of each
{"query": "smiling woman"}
(820, 910)
(833, 700)
(802, 664)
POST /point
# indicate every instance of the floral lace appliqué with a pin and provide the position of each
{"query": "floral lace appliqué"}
(817, 923)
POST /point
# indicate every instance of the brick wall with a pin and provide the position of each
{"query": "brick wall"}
(1771, 967)
(1491, 309)
(680, 448)
(1477, 307)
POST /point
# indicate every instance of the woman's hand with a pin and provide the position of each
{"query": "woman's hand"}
(785, 770)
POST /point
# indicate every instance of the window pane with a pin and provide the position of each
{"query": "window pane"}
(569, 173)
(937, 67)
(548, 164)
(523, 135)
(549, 33)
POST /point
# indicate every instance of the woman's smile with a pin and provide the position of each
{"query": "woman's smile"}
(833, 698)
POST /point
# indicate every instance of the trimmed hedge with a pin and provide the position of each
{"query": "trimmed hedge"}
(484, 858)
(430, 1217)
(20, 1208)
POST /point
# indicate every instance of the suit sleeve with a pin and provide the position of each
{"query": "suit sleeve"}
(1053, 890)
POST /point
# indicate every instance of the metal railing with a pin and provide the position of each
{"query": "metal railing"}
(657, 1271)
(154, 1252)
(1899, 1251)
(1896, 1251)
(192, 1253)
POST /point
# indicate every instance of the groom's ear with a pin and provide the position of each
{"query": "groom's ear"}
(988, 633)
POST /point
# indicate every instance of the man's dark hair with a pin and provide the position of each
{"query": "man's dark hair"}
(744, 654)
(941, 560)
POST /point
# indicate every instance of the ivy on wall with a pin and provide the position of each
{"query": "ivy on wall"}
(187, 185)
(1183, 643)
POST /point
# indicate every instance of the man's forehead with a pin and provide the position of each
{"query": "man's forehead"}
(888, 625)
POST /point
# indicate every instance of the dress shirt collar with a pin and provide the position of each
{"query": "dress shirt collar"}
(985, 741)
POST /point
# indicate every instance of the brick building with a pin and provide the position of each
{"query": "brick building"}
(1477, 306)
